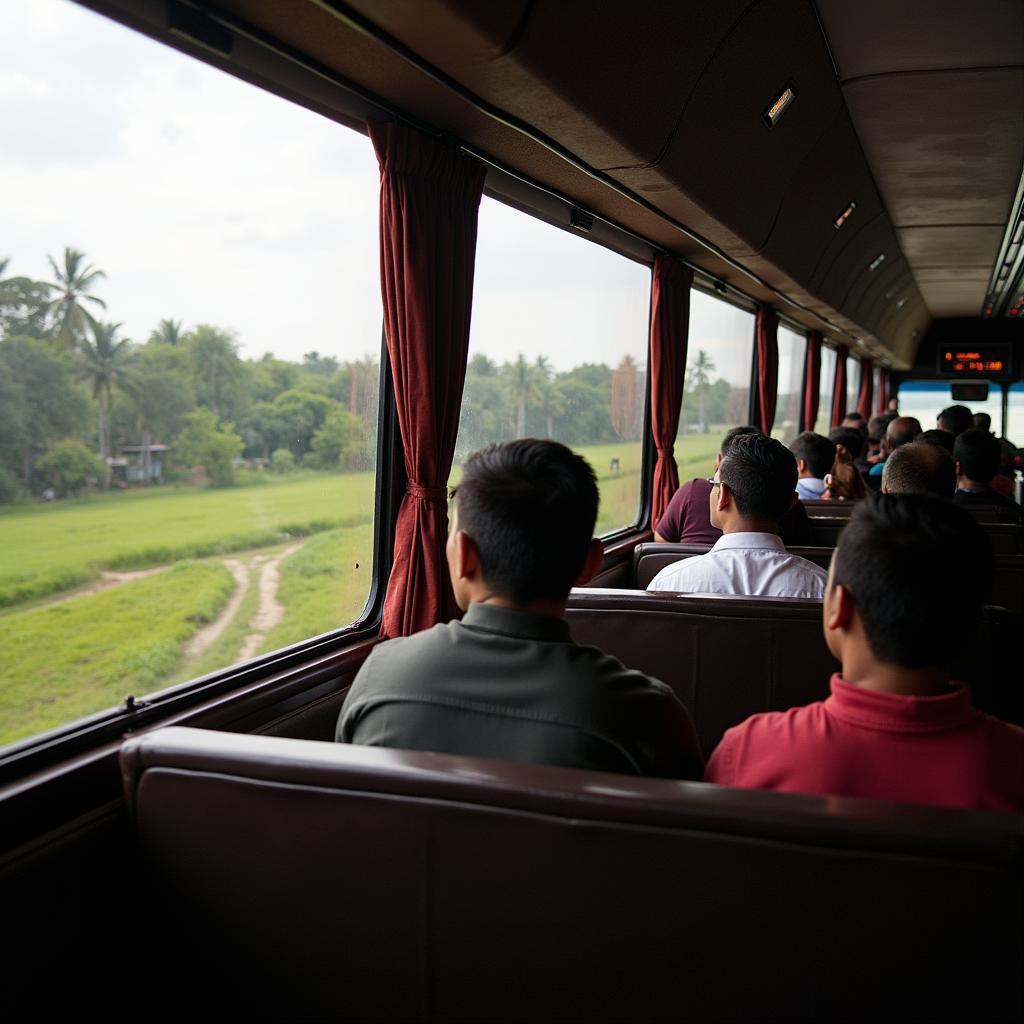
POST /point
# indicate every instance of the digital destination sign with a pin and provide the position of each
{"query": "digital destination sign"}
(974, 361)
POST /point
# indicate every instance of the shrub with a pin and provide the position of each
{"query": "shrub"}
(11, 490)
(68, 466)
(282, 461)
(213, 446)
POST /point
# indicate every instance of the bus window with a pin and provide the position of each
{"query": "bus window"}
(925, 399)
(717, 391)
(792, 352)
(1015, 416)
(189, 368)
(854, 368)
(558, 348)
(823, 424)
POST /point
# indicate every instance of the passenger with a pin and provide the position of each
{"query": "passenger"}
(854, 421)
(905, 591)
(508, 681)
(687, 519)
(956, 419)
(876, 432)
(844, 481)
(941, 438)
(751, 490)
(901, 430)
(920, 468)
(977, 455)
(982, 421)
(851, 439)
(1009, 457)
(814, 456)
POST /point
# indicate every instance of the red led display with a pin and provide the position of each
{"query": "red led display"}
(983, 361)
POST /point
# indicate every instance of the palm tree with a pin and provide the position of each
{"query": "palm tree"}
(73, 283)
(106, 363)
(702, 370)
(521, 380)
(552, 401)
(168, 332)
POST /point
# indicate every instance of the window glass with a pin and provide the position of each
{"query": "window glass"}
(189, 338)
(792, 352)
(823, 424)
(875, 391)
(1015, 416)
(925, 399)
(717, 391)
(853, 372)
(558, 348)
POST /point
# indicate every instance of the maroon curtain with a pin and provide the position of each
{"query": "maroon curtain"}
(839, 388)
(670, 329)
(867, 386)
(767, 341)
(429, 199)
(880, 399)
(812, 381)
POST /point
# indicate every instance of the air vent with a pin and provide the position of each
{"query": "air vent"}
(582, 221)
(779, 105)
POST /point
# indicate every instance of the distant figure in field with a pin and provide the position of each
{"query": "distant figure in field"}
(615, 465)
(507, 681)
(751, 489)
(900, 431)
(905, 591)
(977, 455)
(814, 456)
(956, 419)
(687, 520)
(940, 438)
(920, 468)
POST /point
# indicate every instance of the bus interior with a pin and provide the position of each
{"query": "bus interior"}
(852, 174)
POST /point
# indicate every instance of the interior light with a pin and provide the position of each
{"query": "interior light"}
(901, 303)
(779, 105)
(845, 215)
(877, 262)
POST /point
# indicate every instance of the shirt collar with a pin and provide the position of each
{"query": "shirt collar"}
(896, 712)
(490, 618)
(749, 540)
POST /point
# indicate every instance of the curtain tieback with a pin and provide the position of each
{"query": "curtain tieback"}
(438, 494)
(666, 453)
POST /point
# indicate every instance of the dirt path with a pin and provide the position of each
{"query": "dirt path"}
(209, 634)
(105, 582)
(270, 611)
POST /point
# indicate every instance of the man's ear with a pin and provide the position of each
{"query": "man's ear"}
(841, 608)
(595, 556)
(724, 498)
(801, 466)
(467, 557)
(959, 471)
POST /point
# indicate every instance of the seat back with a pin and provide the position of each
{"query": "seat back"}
(299, 880)
(726, 658)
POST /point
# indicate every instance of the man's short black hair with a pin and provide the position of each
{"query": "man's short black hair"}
(956, 419)
(919, 569)
(902, 432)
(939, 438)
(920, 468)
(852, 439)
(858, 421)
(876, 427)
(818, 452)
(732, 434)
(979, 455)
(761, 473)
(982, 421)
(530, 508)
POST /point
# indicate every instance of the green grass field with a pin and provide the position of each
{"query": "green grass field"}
(87, 653)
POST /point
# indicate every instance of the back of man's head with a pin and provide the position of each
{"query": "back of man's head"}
(982, 421)
(761, 473)
(978, 454)
(817, 452)
(939, 438)
(852, 439)
(530, 508)
(732, 434)
(956, 419)
(855, 421)
(920, 469)
(876, 427)
(902, 430)
(919, 570)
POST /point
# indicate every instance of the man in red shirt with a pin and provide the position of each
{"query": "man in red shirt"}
(906, 587)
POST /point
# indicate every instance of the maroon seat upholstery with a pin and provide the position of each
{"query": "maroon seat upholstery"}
(295, 880)
(726, 658)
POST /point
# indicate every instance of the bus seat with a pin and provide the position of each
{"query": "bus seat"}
(726, 658)
(297, 880)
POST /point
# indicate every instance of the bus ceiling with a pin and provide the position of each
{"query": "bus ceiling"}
(857, 166)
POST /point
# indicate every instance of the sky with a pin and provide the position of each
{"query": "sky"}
(207, 200)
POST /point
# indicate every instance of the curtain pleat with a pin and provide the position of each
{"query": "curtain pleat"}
(812, 380)
(839, 389)
(767, 341)
(867, 386)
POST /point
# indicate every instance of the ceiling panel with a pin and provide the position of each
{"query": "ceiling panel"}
(942, 246)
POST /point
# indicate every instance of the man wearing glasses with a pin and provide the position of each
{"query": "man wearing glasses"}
(750, 492)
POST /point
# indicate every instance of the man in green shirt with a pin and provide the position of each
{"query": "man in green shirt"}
(508, 681)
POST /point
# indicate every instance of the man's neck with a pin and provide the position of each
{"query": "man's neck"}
(743, 524)
(807, 475)
(542, 606)
(882, 677)
(966, 484)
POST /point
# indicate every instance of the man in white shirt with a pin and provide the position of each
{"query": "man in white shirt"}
(749, 494)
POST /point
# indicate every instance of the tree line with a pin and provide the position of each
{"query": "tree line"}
(74, 391)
